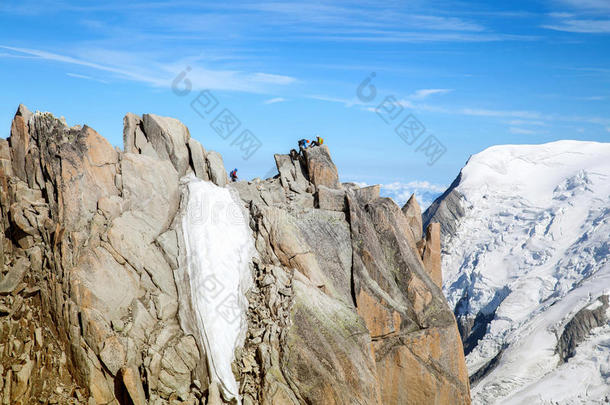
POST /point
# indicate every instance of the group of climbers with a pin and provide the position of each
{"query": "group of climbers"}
(303, 144)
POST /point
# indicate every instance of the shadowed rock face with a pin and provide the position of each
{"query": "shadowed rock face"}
(579, 327)
(447, 210)
(344, 309)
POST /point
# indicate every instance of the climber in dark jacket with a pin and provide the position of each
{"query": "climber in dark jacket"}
(303, 144)
(233, 175)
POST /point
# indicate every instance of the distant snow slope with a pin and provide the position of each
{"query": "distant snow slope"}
(527, 246)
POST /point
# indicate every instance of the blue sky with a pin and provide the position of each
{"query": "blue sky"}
(472, 73)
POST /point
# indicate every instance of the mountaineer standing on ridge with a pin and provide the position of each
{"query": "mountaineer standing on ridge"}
(233, 175)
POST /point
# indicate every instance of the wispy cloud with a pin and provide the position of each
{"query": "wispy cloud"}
(590, 70)
(274, 100)
(416, 37)
(298, 20)
(15, 56)
(521, 131)
(581, 26)
(561, 15)
(583, 17)
(516, 117)
(54, 57)
(347, 102)
(587, 4)
(526, 115)
(527, 122)
(593, 98)
(424, 93)
(159, 74)
(273, 79)
(85, 77)
(481, 112)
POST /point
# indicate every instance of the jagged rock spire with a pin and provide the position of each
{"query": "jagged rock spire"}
(412, 211)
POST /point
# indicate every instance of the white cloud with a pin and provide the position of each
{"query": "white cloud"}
(420, 185)
(274, 100)
(424, 93)
(425, 192)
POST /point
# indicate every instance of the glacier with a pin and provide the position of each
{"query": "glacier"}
(526, 248)
(220, 248)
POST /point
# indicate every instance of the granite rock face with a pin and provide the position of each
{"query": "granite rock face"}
(95, 304)
(320, 168)
(412, 211)
(431, 253)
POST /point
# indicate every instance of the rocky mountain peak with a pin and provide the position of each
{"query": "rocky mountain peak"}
(345, 304)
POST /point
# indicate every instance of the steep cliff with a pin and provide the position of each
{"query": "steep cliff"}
(100, 305)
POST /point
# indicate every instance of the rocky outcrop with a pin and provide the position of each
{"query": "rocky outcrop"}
(431, 253)
(344, 309)
(579, 327)
(412, 211)
(320, 168)
(447, 210)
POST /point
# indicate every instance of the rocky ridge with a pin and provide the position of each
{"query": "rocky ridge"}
(346, 306)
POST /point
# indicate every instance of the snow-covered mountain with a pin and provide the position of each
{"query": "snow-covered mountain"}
(526, 265)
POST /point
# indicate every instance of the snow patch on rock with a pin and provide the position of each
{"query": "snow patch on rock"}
(219, 248)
